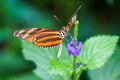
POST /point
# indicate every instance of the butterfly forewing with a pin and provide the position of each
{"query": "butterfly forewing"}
(41, 37)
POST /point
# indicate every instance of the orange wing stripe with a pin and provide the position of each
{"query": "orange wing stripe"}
(46, 38)
(52, 32)
(48, 44)
(35, 35)
(32, 37)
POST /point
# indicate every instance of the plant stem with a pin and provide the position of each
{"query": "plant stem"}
(75, 58)
(76, 30)
(81, 70)
(74, 68)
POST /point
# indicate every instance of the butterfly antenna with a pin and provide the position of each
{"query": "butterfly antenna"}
(57, 18)
(75, 12)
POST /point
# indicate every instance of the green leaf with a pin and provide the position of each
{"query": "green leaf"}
(97, 50)
(110, 71)
(61, 68)
(43, 60)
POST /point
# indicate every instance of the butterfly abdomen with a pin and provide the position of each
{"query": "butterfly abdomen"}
(70, 23)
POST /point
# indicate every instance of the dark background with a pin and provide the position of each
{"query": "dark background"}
(95, 17)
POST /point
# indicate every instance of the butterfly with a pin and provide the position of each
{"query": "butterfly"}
(44, 37)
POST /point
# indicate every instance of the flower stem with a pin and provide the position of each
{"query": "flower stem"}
(81, 70)
(76, 30)
(75, 58)
(74, 68)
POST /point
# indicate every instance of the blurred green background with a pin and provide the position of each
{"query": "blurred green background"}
(95, 17)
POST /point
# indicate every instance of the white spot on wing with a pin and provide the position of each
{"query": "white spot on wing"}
(21, 31)
(26, 35)
(29, 31)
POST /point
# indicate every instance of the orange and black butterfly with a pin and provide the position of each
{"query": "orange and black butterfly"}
(43, 37)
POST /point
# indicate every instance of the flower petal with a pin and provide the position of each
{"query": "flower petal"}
(78, 64)
(71, 49)
(79, 45)
(72, 42)
(76, 53)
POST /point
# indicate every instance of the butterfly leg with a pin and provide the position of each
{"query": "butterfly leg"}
(59, 50)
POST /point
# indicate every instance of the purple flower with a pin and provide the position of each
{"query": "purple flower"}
(74, 48)
(78, 64)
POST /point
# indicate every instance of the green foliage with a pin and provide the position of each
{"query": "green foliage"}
(46, 60)
(97, 50)
(20, 14)
(61, 68)
(28, 76)
(110, 71)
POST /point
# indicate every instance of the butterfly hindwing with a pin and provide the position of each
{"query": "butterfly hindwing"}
(48, 39)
